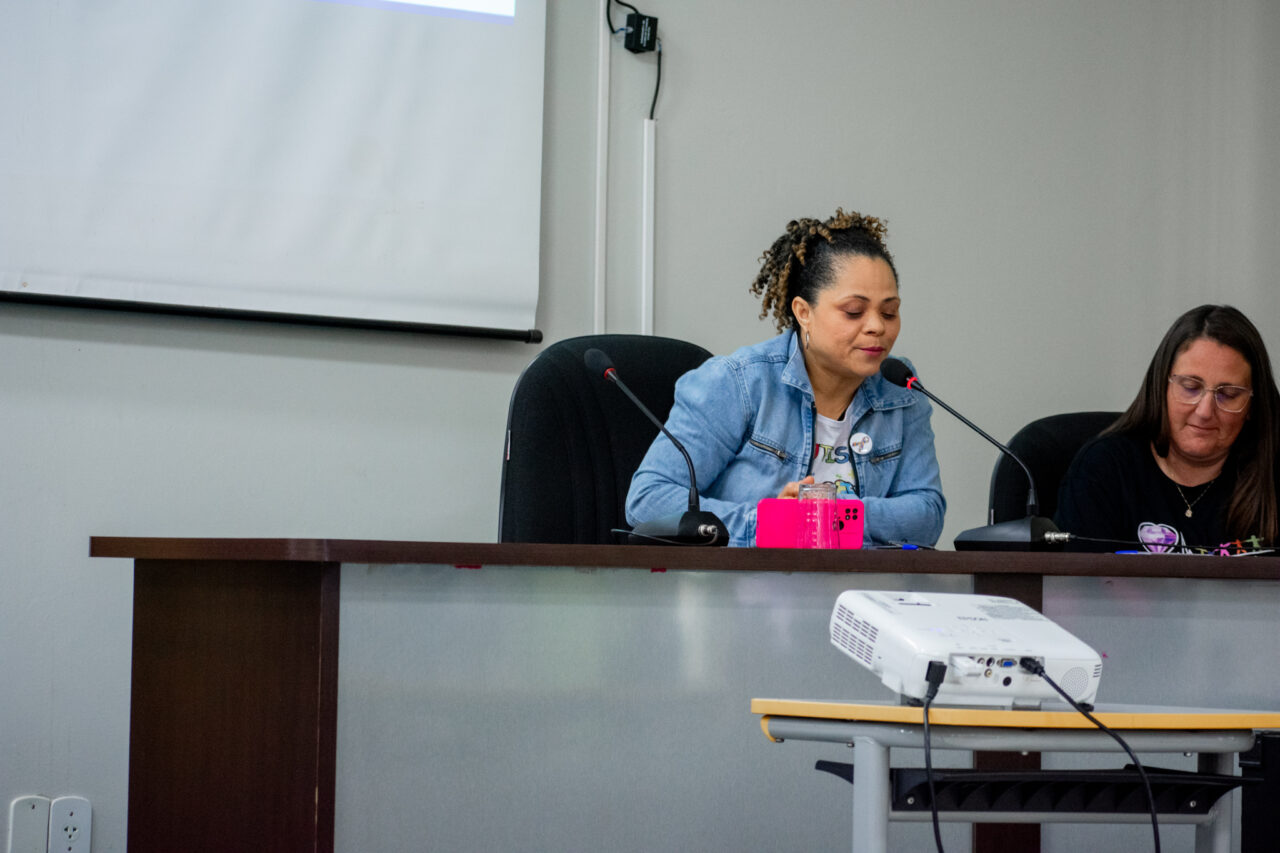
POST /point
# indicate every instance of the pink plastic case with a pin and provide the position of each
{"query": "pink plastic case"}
(778, 520)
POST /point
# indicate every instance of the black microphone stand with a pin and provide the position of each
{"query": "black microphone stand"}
(695, 526)
(1031, 533)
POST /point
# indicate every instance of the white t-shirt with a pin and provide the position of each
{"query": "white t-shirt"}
(832, 462)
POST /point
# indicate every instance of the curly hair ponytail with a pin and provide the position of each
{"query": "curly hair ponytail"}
(799, 263)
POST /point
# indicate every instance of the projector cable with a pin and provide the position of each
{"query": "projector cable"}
(1034, 667)
(934, 675)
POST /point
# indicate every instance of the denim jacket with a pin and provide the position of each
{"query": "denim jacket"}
(747, 420)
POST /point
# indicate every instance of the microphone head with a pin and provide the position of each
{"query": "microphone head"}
(597, 362)
(896, 371)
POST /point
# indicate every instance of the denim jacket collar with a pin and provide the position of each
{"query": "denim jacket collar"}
(881, 395)
(794, 373)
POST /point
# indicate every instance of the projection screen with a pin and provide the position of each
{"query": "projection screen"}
(378, 161)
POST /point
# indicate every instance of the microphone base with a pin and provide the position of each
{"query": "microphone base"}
(693, 527)
(1021, 534)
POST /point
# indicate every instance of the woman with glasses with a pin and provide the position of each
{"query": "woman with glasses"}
(1192, 465)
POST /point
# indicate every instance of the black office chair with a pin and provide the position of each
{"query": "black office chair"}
(1047, 446)
(574, 439)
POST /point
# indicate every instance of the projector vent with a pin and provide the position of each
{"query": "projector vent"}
(856, 636)
(1075, 682)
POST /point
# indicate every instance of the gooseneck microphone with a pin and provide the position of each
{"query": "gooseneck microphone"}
(692, 527)
(897, 372)
(1017, 535)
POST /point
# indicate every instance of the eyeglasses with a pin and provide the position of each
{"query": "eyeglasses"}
(1229, 398)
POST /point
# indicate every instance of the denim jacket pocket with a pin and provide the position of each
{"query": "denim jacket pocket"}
(768, 448)
(884, 457)
(881, 470)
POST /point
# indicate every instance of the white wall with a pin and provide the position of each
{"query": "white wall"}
(1061, 180)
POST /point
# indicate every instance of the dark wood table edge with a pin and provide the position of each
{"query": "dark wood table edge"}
(687, 559)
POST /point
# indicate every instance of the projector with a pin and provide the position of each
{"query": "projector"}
(979, 637)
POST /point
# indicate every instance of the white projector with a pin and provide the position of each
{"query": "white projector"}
(979, 637)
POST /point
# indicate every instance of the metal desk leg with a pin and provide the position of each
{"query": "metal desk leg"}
(1215, 836)
(870, 796)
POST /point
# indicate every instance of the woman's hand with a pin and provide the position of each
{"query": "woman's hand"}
(792, 490)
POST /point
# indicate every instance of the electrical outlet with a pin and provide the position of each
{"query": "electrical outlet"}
(70, 819)
(29, 824)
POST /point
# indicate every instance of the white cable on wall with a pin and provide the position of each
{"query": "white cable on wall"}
(648, 178)
(640, 36)
(602, 171)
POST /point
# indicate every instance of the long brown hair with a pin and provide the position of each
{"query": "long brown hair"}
(1253, 508)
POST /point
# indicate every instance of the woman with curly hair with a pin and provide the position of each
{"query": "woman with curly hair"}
(809, 404)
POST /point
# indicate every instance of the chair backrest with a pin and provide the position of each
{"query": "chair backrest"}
(1047, 446)
(574, 439)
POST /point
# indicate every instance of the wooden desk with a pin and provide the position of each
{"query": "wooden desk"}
(1216, 735)
(235, 680)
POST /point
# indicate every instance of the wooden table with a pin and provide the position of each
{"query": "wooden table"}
(234, 674)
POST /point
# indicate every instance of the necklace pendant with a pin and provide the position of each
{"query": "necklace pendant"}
(1188, 512)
